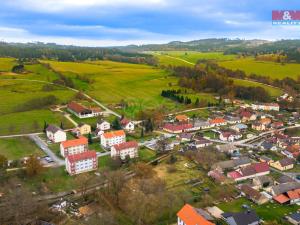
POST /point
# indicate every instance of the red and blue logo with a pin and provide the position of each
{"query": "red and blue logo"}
(286, 17)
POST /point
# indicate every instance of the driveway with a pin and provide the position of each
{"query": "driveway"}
(44, 147)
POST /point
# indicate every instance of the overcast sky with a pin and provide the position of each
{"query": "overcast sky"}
(122, 22)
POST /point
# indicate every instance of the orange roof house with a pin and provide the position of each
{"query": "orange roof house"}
(190, 216)
(113, 134)
(75, 142)
(181, 118)
(217, 121)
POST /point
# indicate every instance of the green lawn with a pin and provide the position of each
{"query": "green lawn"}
(271, 69)
(247, 83)
(17, 148)
(269, 211)
(146, 154)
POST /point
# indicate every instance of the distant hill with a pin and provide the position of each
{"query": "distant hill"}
(213, 44)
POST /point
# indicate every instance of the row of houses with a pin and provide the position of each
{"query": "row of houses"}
(189, 215)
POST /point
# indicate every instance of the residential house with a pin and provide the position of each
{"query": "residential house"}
(283, 164)
(218, 122)
(284, 187)
(265, 106)
(268, 146)
(246, 115)
(292, 151)
(249, 172)
(201, 142)
(253, 194)
(232, 164)
(257, 125)
(248, 217)
(125, 149)
(288, 197)
(277, 125)
(103, 125)
(228, 149)
(240, 128)
(184, 137)
(266, 159)
(263, 182)
(200, 125)
(229, 135)
(188, 215)
(55, 134)
(233, 119)
(75, 146)
(294, 218)
(109, 139)
(81, 162)
(127, 124)
(79, 110)
(181, 118)
(177, 128)
(82, 129)
(284, 179)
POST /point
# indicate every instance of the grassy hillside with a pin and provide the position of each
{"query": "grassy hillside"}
(247, 83)
(173, 57)
(139, 85)
(272, 69)
(14, 93)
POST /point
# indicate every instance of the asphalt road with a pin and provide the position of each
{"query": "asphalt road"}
(44, 147)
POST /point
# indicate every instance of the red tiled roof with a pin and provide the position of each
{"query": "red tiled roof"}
(113, 134)
(126, 145)
(293, 194)
(281, 198)
(71, 143)
(76, 107)
(217, 121)
(234, 175)
(82, 156)
(177, 127)
(261, 167)
(190, 216)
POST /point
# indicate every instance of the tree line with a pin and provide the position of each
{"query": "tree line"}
(174, 95)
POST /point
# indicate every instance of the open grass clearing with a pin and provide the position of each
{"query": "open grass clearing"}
(271, 69)
(18, 148)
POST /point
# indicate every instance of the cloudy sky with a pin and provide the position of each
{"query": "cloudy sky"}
(122, 22)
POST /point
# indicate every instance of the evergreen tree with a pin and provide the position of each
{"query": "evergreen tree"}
(61, 125)
(90, 139)
(197, 102)
(45, 126)
(142, 132)
(116, 124)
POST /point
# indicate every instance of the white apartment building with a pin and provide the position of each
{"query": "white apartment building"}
(113, 138)
(81, 162)
(72, 147)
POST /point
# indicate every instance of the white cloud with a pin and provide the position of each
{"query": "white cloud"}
(69, 5)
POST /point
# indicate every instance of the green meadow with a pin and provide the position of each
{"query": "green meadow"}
(271, 69)
(172, 57)
(17, 148)
(14, 93)
(139, 85)
(248, 83)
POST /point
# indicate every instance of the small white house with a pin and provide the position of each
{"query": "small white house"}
(103, 125)
(127, 125)
(55, 134)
